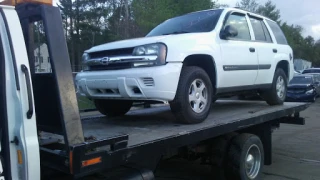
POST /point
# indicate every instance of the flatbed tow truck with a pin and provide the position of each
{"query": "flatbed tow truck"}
(41, 127)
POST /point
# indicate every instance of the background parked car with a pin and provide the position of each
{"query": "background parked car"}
(311, 71)
(303, 88)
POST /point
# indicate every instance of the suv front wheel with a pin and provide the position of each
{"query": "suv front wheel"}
(193, 98)
(276, 95)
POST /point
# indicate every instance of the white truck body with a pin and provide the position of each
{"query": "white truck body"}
(24, 153)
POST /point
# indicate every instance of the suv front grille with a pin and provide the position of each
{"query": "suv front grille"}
(111, 53)
(296, 91)
(115, 66)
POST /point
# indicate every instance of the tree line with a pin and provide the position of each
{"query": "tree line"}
(93, 22)
(303, 47)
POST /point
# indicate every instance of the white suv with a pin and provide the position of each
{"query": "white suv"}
(190, 61)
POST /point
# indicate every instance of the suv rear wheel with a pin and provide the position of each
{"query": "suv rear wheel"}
(112, 108)
(193, 98)
(276, 95)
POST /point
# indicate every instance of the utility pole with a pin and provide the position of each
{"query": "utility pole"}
(39, 46)
(126, 29)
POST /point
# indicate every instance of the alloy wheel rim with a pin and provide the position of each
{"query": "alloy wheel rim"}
(280, 87)
(198, 96)
(253, 161)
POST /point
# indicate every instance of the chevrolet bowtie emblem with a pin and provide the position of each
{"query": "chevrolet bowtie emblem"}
(105, 60)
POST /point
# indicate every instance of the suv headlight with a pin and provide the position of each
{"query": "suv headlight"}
(157, 49)
(310, 92)
(85, 58)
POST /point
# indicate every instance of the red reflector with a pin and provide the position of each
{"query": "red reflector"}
(91, 162)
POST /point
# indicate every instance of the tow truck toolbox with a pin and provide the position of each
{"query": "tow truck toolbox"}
(81, 146)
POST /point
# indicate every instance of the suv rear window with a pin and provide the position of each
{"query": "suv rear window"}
(260, 30)
(281, 39)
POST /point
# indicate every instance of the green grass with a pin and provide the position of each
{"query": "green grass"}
(85, 103)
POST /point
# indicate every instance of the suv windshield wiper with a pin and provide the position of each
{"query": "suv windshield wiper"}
(177, 32)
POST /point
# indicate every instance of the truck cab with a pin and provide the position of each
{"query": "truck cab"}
(19, 145)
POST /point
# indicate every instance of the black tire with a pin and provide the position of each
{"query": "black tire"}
(214, 99)
(113, 108)
(180, 106)
(237, 156)
(271, 96)
(219, 151)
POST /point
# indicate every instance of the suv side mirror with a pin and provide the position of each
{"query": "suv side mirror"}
(228, 32)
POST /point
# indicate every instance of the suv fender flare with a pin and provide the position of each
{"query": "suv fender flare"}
(207, 63)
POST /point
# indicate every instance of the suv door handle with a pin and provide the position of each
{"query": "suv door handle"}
(252, 49)
(28, 81)
(275, 50)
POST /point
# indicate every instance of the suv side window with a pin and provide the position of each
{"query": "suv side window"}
(260, 30)
(239, 21)
(281, 39)
(266, 32)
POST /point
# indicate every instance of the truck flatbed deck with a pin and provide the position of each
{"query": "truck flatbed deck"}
(145, 135)
(157, 124)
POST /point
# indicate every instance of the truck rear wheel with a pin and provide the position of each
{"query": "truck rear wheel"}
(193, 98)
(276, 95)
(112, 108)
(245, 158)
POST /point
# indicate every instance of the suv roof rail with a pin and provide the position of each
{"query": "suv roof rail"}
(237, 7)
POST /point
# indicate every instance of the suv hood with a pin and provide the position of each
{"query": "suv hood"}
(130, 43)
(126, 43)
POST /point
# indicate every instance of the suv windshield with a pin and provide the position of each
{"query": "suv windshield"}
(204, 21)
(301, 80)
(307, 71)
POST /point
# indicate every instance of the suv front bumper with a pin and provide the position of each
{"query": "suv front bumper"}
(148, 83)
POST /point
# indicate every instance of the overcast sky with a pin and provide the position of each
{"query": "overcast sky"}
(301, 12)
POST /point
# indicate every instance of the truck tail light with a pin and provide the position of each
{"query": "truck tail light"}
(91, 162)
